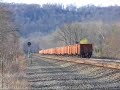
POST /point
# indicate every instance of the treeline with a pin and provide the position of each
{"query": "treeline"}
(9, 43)
(46, 18)
(103, 36)
(49, 26)
(10, 52)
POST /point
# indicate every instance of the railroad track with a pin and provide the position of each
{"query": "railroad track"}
(47, 74)
(98, 59)
(114, 64)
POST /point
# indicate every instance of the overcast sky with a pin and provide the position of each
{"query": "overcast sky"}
(66, 2)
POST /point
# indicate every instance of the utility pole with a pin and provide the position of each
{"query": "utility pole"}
(2, 64)
(2, 73)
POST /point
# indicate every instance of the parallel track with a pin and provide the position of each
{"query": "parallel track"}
(115, 64)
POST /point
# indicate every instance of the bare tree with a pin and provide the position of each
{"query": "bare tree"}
(9, 39)
(113, 42)
(71, 33)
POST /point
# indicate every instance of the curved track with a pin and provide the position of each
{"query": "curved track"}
(46, 74)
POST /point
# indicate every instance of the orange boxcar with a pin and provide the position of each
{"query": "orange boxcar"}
(82, 50)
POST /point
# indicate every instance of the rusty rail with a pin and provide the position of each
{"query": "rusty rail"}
(96, 62)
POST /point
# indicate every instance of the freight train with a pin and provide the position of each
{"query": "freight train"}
(82, 50)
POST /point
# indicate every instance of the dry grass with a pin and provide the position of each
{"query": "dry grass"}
(15, 76)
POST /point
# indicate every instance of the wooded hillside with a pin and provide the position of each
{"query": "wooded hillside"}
(49, 26)
(46, 18)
